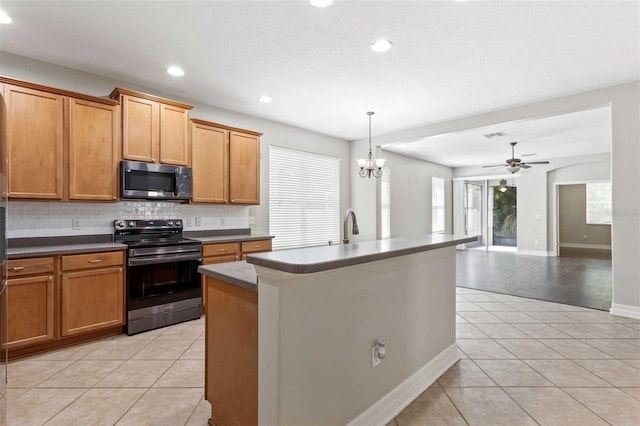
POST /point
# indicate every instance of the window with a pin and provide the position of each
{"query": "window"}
(304, 198)
(599, 203)
(437, 204)
(385, 204)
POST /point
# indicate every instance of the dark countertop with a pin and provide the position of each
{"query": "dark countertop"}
(322, 258)
(51, 246)
(52, 250)
(232, 238)
(238, 273)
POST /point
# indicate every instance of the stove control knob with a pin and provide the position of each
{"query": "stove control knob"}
(121, 224)
(132, 223)
(178, 223)
(170, 223)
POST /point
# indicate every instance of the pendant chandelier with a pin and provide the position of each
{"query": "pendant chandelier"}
(370, 166)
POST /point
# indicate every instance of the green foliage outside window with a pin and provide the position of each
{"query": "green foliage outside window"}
(504, 212)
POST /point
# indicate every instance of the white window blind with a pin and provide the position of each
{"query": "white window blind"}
(304, 198)
(437, 204)
(599, 203)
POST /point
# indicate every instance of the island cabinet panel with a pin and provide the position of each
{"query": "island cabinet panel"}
(231, 354)
(92, 296)
(244, 168)
(217, 253)
(140, 129)
(210, 162)
(174, 135)
(34, 137)
(93, 151)
(154, 129)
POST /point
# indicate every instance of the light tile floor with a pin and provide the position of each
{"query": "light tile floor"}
(522, 361)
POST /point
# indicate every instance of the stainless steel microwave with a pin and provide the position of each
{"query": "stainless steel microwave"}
(155, 181)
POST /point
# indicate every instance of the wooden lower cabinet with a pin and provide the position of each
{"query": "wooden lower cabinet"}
(231, 354)
(256, 246)
(58, 300)
(91, 300)
(91, 292)
(30, 310)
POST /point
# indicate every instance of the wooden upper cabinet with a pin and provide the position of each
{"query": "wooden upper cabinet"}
(93, 151)
(210, 162)
(35, 138)
(140, 129)
(174, 135)
(244, 168)
(154, 129)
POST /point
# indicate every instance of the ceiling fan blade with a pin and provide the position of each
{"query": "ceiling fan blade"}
(495, 165)
(524, 166)
(537, 162)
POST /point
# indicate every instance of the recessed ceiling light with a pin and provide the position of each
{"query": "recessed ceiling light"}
(381, 46)
(321, 3)
(264, 99)
(4, 18)
(175, 71)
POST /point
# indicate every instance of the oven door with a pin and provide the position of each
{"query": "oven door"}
(162, 280)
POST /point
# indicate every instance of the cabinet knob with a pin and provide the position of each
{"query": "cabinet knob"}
(95, 260)
(113, 197)
(16, 269)
(50, 277)
(119, 269)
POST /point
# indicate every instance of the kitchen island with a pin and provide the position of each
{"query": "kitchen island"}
(305, 355)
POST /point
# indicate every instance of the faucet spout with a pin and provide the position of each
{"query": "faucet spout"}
(345, 225)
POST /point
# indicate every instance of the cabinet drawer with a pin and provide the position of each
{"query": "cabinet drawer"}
(220, 249)
(220, 259)
(36, 265)
(92, 260)
(256, 246)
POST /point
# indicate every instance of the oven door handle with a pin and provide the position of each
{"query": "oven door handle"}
(151, 260)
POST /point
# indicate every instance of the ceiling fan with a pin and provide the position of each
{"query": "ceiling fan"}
(514, 164)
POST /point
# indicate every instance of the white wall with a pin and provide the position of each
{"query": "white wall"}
(410, 183)
(625, 110)
(273, 134)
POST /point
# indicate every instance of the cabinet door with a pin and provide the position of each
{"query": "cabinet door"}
(210, 163)
(30, 310)
(244, 168)
(91, 300)
(34, 122)
(174, 135)
(210, 261)
(140, 129)
(93, 151)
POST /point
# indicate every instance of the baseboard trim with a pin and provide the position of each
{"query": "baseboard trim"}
(586, 246)
(536, 252)
(628, 311)
(390, 405)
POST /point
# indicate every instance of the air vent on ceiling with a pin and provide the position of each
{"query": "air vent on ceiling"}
(494, 135)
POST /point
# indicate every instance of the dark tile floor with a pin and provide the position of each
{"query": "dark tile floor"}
(572, 281)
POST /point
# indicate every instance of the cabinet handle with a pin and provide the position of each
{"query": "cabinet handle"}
(95, 260)
(50, 277)
(119, 269)
(258, 246)
(16, 269)
(222, 249)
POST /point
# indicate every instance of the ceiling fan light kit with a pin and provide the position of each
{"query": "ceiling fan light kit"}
(514, 164)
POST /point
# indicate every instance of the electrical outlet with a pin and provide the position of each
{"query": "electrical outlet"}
(252, 220)
(536, 242)
(585, 236)
(223, 221)
(75, 223)
(198, 221)
(189, 222)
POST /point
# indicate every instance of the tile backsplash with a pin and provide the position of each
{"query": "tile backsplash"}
(48, 219)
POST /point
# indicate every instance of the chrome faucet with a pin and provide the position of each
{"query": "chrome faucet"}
(345, 226)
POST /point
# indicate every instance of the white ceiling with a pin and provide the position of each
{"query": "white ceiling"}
(450, 58)
(539, 139)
